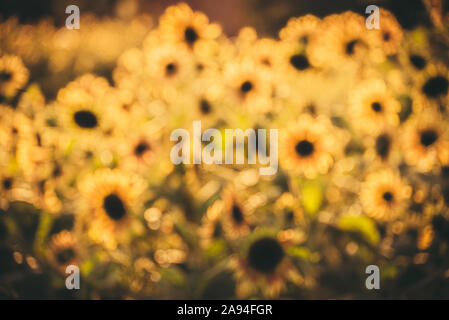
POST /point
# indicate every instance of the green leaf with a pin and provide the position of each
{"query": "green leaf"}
(304, 254)
(173, 276)
(363, 225)
(312, 196)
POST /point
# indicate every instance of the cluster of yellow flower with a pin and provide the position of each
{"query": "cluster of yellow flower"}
(363, 147)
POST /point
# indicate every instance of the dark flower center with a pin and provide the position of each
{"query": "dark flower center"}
(65, 255)
(205, 106)
(5, 76)
(200, 67)
(266, 62)
(289, 216)
(445, 171)
(445, 192)
(304, 40)
(114, 206)
(265, 255)
(218, 230)
(418, 61)
(246, 86)
(383, 144)
(38, 140)
(171, 69)
(299, 61)
(237, 214)
(436, 86)
(304, 148)
(388, 196)
(141, 148)
(311, 108)
(57, 171)
(85, 119)
(350, 47)
(428, 137)
(7, 183)
(190, 35)
(376, 106)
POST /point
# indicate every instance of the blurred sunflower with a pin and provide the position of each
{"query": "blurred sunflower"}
(301, 29)
(383, 146)
(373, 106)
(265, 52)
(180, 24)
(264, 267)
(294, 58)
(63, 250)
(14, 126)
(13, 75)
(425, 140)
(343, 38)
(434, 83)
(415, 57)
(390, 32)
(7, 185)
(80, 106)
(204, 101)
(236, 215)
(110, 199)
(168, 66)
(308, 147)
(288, 208)
(384, 195)
(249, 86)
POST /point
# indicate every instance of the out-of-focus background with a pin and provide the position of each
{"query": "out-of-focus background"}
(267, 16)
(86, 175)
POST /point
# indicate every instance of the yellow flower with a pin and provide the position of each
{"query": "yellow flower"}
(82, 108)
(383, 146)
(168, 67)
(384, 195)
(372, 106)
(249, 86)
(13, 75)
(265, 52)
(64, 251)
(204, 102)
(14, 126)
(294, 59)
(180, 24)
(425, 140)
(111, 199)
(289, 209)
(414, 57)
(236, 215)
(343, 38)
(7, 185)
(300, 29)
(308, 146)
(434, 83)
(390, 32)
(264, 268)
